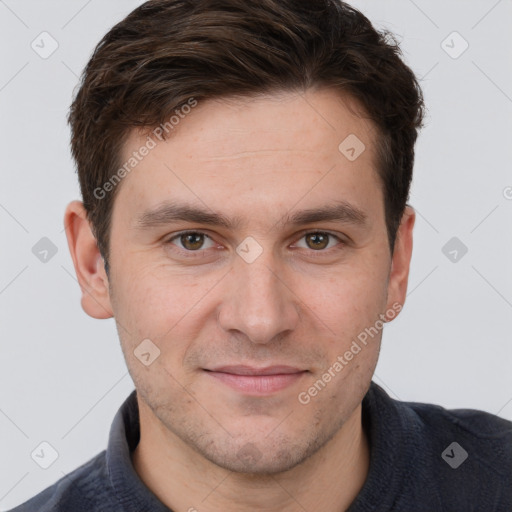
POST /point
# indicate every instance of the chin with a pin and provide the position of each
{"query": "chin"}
(263, 457)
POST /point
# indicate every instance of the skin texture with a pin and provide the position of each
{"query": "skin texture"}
(301, 302)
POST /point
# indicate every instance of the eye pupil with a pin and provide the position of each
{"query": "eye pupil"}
(192, 241)
(320, 240)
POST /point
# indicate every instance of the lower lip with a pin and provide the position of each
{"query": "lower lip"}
(257, 384)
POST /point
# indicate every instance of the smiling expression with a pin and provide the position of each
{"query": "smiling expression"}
(251, 251)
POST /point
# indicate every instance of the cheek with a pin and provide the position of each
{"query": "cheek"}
(169, 309)
(153, 301)
(163, 311)
(350, 300)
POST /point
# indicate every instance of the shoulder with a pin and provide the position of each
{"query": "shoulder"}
(488, 436)
(84, 489)
(434, 458)
(465, 453)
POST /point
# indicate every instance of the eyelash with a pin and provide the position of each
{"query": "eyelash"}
(200, 252)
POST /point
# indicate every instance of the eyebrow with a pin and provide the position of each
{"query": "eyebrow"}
(169, 212)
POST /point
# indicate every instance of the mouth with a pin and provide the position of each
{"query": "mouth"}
(256, 381)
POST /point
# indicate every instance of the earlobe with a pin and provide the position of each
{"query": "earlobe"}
(400, 263)
(88, 262)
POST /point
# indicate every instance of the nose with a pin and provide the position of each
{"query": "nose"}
(259, 302)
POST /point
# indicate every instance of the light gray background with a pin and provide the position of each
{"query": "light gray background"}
(62, 373)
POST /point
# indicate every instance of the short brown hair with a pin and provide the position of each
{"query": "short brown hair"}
(168, 51)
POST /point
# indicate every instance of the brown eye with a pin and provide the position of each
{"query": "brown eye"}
(192, 241)
(190, 244)
(317, 241)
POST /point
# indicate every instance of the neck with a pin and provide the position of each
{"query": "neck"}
(183, 480)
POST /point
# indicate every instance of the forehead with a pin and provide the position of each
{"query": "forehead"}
(266, 151)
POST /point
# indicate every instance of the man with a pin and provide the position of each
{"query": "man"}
(245, 170)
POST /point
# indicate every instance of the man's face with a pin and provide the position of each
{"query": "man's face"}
(263, 292)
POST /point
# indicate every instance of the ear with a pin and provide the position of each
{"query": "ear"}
(400, 262)
(88, 262)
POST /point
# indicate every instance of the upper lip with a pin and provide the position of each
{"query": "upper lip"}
(250, 370)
